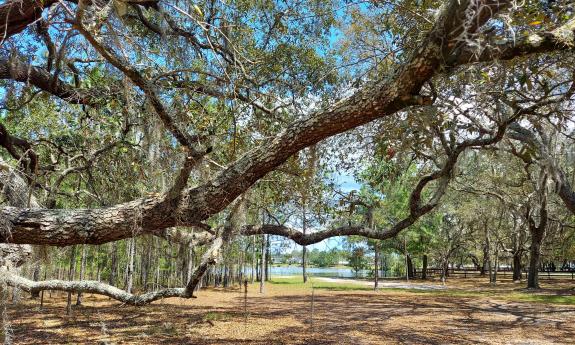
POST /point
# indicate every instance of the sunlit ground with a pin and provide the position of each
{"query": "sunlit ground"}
(466, 311)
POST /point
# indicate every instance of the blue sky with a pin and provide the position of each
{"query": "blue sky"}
(346, 182)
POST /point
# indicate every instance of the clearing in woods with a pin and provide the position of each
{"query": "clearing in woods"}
(467, 311)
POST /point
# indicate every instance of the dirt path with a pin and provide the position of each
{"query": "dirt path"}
(284, 316)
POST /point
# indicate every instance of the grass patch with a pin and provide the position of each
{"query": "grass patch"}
(297, 283)
(215, 316)
(541, 298)
(510, 296)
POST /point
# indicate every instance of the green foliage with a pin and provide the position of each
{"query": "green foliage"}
(357, 260)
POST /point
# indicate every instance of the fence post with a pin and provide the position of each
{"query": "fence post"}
(312, 308)
(245, 302)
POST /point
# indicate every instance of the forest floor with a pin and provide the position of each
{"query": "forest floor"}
(467, 311)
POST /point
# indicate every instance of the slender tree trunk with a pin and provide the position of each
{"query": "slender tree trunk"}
(254, 268)
(376, 268)
(82, 272)
(407, 260)
(130, 267)
(36, 274)
(93, 263)
(493, 279)
(42, 293)
(262, 264)
(517, 266)
(114, 264)
(304, 249)
(409, 266)
(71, 277)
(485, 263)
(190, 262)
(158, 277)
(268, 257)
(444, 270)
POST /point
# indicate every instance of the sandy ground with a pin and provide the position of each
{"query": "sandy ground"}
(286, 315)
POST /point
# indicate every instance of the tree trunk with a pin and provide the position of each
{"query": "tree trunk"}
(268, 257)
(36, 276)
(409, 266)
(444, 270)
(533, 275)
(376, 268)
(190, 262)
(537, 234)
(304, 249)
(263, 265)
(517, 266)
(114, 264)
(534, 258)
(130, 267)
(485, 262)
(424, 268)
(71, 277)
(254, 268)
(493, 279)
(82, 272)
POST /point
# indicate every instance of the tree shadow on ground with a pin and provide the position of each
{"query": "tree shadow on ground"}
(337, 318)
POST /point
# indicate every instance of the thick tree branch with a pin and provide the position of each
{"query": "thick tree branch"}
(562, 38)
(13, 145)
(89, 286)
(563, 186)
(20, 71)
(16, 15)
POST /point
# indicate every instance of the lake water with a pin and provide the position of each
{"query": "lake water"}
(332, 272)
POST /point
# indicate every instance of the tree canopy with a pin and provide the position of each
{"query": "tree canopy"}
(207, 121)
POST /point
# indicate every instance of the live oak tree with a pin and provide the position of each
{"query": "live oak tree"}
(213, 97)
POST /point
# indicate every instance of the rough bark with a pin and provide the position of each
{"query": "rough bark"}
(17, 70)
(15, 16)
(537, 232)
(534, 258)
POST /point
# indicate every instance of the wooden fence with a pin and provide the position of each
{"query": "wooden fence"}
(502, 272)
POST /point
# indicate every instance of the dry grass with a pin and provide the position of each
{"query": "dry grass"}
(471, 312)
